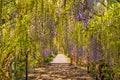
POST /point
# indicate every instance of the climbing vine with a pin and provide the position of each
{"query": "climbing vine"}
(32, 32)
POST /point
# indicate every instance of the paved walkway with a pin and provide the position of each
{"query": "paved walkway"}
(60, 58)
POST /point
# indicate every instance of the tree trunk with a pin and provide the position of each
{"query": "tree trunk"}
(27, 65)
(98, 72)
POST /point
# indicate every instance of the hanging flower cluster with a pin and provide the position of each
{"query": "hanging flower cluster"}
(82, 11)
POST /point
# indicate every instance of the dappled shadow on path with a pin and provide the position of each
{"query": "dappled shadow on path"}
(60, 71)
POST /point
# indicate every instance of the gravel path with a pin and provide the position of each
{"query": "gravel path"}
(60, 69)
(60, 58)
